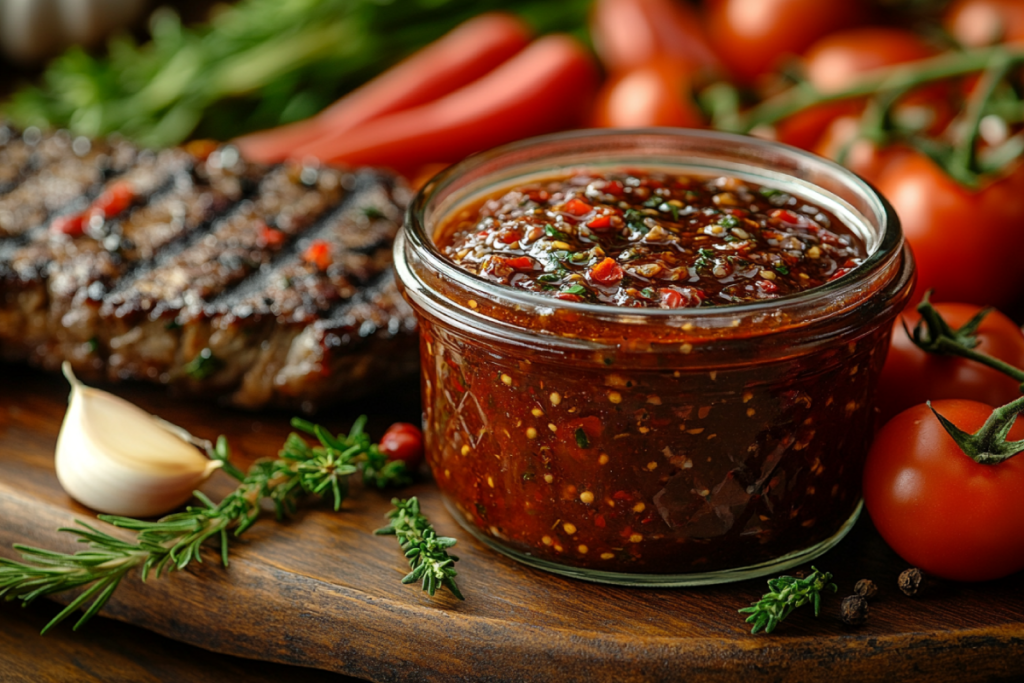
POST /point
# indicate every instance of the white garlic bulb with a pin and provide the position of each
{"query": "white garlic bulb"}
(116, 458)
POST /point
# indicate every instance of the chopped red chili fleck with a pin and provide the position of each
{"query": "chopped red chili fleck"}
(72, 225)
(269, 237)
(115, 199)
(318, 253)
(577, 207)
(600, 222)
(520, 263)
(607, 272)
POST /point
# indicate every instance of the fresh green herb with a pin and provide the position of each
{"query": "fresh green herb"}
(549, 277)
(704, 257)
(203, 365)
(174, 542)
(426, 551)
(768, 192)
(579, 256)
(528, 476)
(671, 208)
(581, 438)
(786, 594)
(257, 64)
(635, 220)
(93, 345)
(729, 221)
(172, 325)
(552, 231)
(575, 289)
(373, 213)
(781, 269)
(647, 293)
(653, 203)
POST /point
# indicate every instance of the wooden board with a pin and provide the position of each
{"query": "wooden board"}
(321, 591)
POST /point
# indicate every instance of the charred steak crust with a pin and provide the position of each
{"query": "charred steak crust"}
(256, 285)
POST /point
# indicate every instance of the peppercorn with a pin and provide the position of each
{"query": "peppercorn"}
(866, 588)
(911, 581)
(854, 610)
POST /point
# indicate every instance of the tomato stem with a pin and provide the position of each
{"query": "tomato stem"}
(962, 164)
(988, 445)
(934, 335)
(897, 77)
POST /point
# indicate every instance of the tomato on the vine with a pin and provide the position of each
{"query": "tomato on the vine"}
(966, 242)
(755, 36)
(403, 441)
(655, 94)
(834, 63)
(628, 34)
(912, 376)
(938, 508)
(975, 23)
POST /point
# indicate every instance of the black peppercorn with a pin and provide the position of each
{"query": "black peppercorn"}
(911, 581)
(866, 588)
(854, 610)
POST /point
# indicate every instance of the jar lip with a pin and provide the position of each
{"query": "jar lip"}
(889, 245)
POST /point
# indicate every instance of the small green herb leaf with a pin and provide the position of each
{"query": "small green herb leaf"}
(581, 438)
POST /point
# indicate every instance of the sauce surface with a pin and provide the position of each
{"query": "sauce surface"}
(651, 239)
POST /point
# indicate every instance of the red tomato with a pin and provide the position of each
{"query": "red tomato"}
(755, 36)
(912, 376)
(966, 242)
(975, 23)
(403, 441)
(863, 157)
(838, 60)
(630, 33)
(939, 509)
(656, 94)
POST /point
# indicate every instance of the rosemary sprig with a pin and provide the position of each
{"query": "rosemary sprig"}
(426, 551)
(173, 542)
(786, 594)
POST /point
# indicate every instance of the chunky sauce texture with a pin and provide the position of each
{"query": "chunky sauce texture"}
(651, 240)
(638, 459)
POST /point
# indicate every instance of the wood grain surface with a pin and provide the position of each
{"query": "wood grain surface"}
(321, 591)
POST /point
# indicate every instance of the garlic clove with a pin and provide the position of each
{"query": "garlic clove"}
(116, 458)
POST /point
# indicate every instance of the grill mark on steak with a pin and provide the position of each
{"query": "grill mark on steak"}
(61, 182)
(211, 257)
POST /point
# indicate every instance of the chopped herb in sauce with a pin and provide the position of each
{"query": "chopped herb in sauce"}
(652, 240)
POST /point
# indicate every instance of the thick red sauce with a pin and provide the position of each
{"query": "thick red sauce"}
(652, 240)
(649, 457)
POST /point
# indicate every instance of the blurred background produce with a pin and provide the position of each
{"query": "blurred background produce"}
(921, 97)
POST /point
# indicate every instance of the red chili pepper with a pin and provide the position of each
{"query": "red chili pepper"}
(115, 199)
(455, 60)
(599, 521)
(546, 87)
(577, 207)
(614, 187)
(670, 298)
(72, 225)
(510, 236)
(565, 296)
(607, 272)
(838, 274)
(622, 495)
(520, 263)
(270, 237)
(767, 286)
(319, 254)
(786, 216)
(600, 222)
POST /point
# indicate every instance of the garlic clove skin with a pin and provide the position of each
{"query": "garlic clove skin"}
(116, 458)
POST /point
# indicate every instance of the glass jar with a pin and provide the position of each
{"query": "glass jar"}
(649, 446)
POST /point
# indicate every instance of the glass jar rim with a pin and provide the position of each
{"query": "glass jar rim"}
(889, 245)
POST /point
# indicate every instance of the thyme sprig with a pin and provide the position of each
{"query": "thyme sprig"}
(426, 551)
(175, 541)
(786, 594)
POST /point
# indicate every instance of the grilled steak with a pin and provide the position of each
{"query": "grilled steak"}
(192, 267)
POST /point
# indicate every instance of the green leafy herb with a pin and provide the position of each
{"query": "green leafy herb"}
(635, 220)
(373, 213)
(575, 289)
(550, 277)
(704, 257)
(203, 365)
(729, 221)
(785, 595)
(647, 292)
(671, 208)
(175, 541)
(581, 438)
(552, 231)
(426, 551)
(781, 269)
